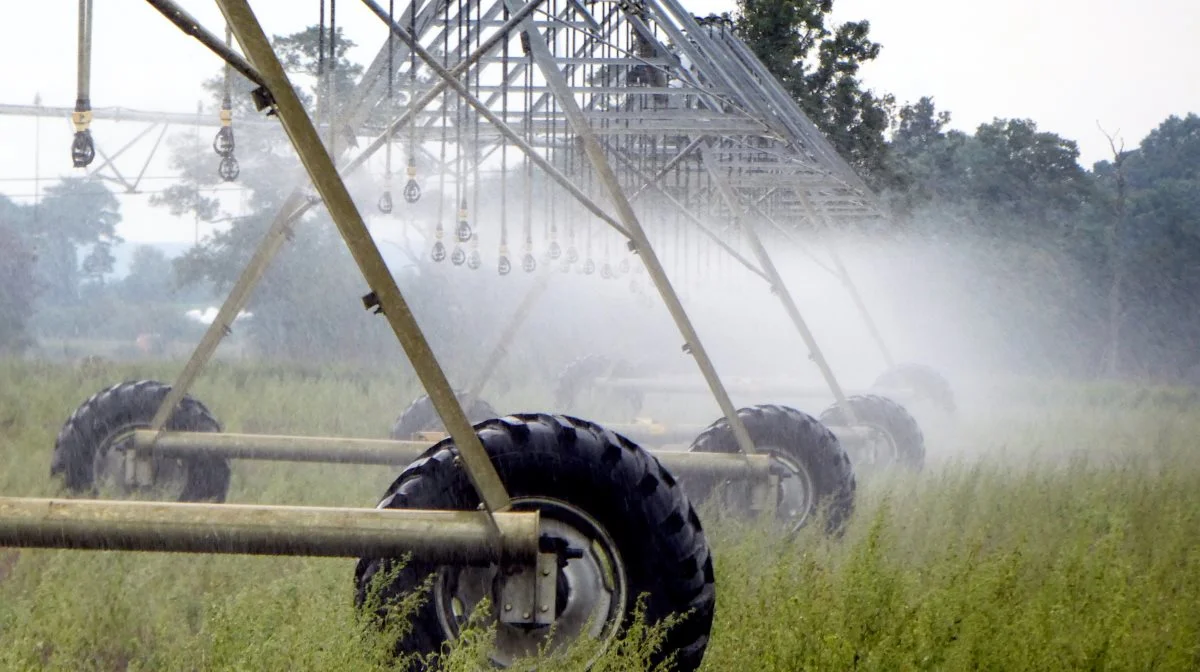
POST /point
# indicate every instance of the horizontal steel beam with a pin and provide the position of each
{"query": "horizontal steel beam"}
(726, 465)
(430, 536)
(126, 114)
(696, 385)
(338, 450)
(281, 448)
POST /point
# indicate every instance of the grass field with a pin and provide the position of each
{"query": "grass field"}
(1059, 530)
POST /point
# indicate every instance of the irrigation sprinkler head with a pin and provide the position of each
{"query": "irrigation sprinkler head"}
(555, 250)
(462, 230)
(229, 169)
(412, 191)
(474, 260)
(223, 143)
(83, 149)
(528, 263)
(385, 202)
(458, 256)
(439, 252)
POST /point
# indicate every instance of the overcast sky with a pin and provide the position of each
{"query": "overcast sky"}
(1066, 64)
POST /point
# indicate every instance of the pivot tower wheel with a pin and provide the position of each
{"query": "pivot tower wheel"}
(420, 416)
(921, 382)
(813, 469)
(90, 451)
(893, 438)
(575, 388)
(617, 521)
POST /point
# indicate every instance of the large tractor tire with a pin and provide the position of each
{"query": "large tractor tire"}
(574, 389)
(420, 416)
(622, 526)
(896, 439)
(88, 450)
(923, 382)
(815, 472)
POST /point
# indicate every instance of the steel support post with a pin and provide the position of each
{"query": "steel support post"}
(294, 207)
(865, 314)
(844, 276)
(432, 536)
(385, 292)
(839, 272)
(641, 244)
(777, 284)
(506, 335)
(687, 212)
(279, 232)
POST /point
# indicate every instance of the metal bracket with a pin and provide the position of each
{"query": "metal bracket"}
(528, 594)
(764, 494)
(139, 467)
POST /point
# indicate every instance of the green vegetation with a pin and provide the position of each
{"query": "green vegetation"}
(1060, 536)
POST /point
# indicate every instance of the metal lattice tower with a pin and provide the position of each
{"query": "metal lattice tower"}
(682, 110)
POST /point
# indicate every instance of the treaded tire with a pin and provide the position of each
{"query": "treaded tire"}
(578, 374)
(924, 381)
(126, 405)
(636, 501)
(798, 437)
(889, 417)
(420, 416)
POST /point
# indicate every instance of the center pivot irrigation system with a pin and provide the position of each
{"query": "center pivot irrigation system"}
(631, 114)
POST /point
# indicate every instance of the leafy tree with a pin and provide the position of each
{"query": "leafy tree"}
(98, 263)
(74, 214)
(818, 65)
(1160, 244)
(17, 285)
(151, 275)
(308, 303)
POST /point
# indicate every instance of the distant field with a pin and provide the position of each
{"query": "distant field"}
(1058, 528)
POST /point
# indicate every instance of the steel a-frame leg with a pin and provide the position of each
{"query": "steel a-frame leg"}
(385, 293)
(633, 228)
(778, 287)
(294, 207)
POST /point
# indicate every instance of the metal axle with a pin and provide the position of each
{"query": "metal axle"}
(434, 536)
(390, 452)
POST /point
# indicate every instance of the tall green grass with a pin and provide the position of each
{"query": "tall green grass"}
(1057, 533)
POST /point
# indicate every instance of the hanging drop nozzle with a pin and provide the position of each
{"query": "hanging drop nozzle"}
(412, 190)
(83, 148)
(229, 169)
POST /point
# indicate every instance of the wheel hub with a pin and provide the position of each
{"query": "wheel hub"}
(877, 451)
(168, 475)
(590, 596)
(796, 496)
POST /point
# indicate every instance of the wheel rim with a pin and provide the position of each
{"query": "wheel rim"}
(596, 588)
(170, 474)
(796, 496)
(872, 455)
